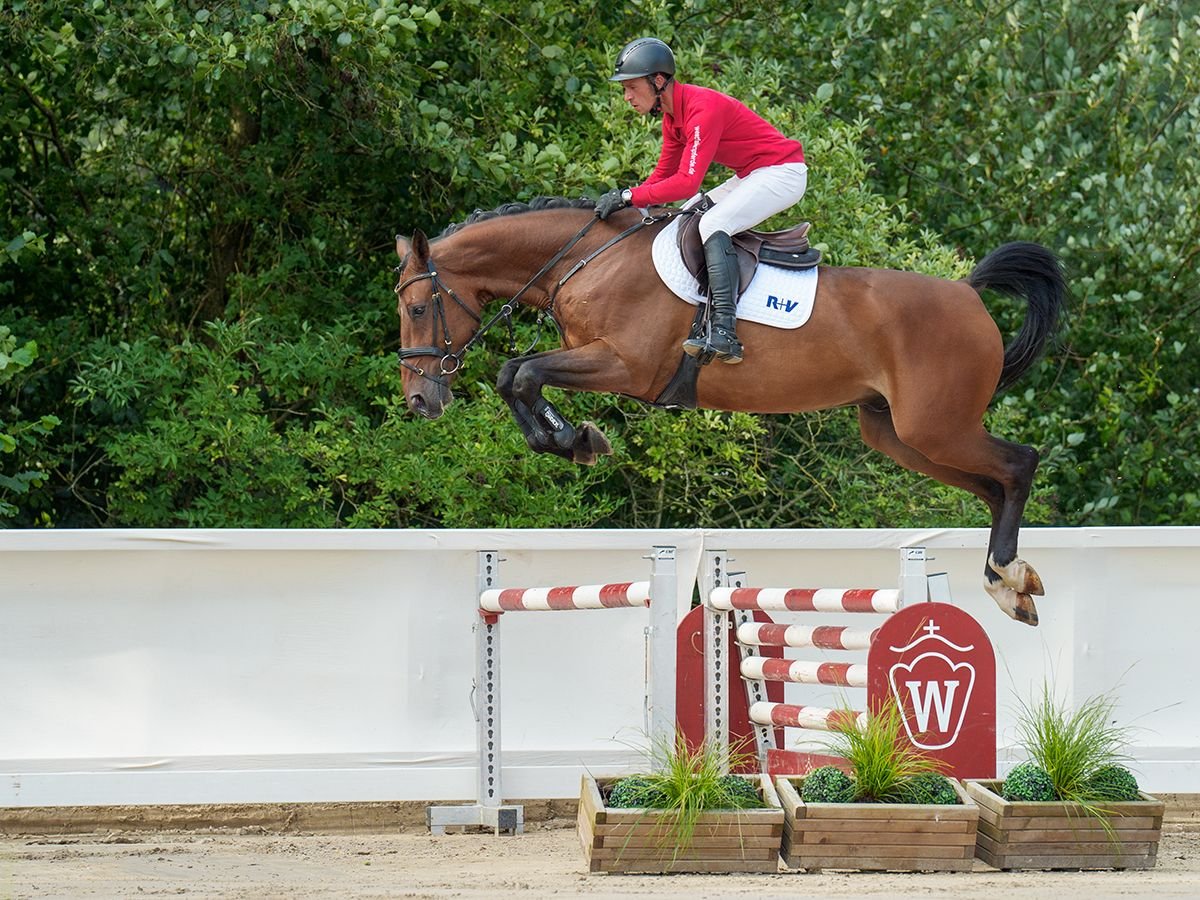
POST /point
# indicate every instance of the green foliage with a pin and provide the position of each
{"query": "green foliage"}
(1070, 124)
(686, 781)
(25, 242)
(303, 431)
(22, 435)
(1071, 745)
(880, 756)
(885, 767)
(687, 470)
(1029, 782)
(929, 788)
(743, 793)
(827, 784)
(198, 204)
(1114, 784)
(19, 439)
(637, 792)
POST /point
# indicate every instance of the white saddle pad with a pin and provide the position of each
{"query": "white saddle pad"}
(779, 297)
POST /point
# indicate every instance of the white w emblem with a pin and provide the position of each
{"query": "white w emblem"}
(932, 697)
(928, 695)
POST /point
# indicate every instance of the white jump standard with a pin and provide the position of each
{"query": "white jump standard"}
(659, 594)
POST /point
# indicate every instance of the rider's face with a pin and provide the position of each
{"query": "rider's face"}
(639, 94)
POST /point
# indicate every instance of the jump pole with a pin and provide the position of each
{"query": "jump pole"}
(716, 578)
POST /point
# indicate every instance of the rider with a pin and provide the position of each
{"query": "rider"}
(701, 126)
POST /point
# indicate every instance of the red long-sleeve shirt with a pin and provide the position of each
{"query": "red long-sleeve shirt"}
(706, 127)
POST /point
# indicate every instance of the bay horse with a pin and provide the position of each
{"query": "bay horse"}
(920, 357)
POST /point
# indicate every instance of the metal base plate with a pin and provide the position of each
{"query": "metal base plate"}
(500, 818)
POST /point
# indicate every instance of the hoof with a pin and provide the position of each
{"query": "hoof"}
(1019, 575)
(581, 456)
(590, 445)
(1016, 604)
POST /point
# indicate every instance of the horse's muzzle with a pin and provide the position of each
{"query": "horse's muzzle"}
(430, 404)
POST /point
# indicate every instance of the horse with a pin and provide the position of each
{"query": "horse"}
(920, 357)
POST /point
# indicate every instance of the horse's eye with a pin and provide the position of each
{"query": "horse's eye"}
(416, 311)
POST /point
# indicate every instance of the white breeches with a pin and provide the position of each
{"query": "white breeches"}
(742, 203)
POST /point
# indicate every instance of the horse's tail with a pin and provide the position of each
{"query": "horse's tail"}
(1028, 271)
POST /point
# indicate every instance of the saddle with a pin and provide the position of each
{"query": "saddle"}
(788, 249)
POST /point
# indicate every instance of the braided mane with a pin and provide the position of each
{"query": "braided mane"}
(515, 208)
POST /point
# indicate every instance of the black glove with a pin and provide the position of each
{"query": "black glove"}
(610, 203)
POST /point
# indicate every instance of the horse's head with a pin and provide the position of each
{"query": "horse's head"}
(436, 324)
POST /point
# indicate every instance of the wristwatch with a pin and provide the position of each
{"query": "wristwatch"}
(627, 195)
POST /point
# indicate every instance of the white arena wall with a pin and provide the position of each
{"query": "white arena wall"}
(229, 666)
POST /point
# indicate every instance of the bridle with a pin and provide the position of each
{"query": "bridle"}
(449, 360)
(446, 357)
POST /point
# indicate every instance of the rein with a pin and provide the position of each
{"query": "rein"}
(450, 361)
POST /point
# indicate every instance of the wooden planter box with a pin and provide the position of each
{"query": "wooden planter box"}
(1057, 835)
(638, 840)
(873, 837)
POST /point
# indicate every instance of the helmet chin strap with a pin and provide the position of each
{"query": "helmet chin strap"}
(656, 110)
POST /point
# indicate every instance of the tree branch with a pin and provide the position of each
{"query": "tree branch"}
(63, 153)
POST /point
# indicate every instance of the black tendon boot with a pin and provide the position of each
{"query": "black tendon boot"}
(721, 260)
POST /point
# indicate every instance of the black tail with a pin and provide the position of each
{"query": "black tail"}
(1027, 271)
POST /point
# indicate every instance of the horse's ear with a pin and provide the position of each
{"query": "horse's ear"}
(420, 246)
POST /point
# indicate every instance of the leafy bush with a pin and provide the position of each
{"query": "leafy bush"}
(254, 425)
(930, 787)
(1062, 123)
(20, 438)
(636, 791)
(1111, 783)
(1029, 782)
(743, 792)
(827, 784)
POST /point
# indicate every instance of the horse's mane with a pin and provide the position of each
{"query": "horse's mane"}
(512, 209)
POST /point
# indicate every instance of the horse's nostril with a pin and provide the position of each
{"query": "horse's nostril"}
(416, 402)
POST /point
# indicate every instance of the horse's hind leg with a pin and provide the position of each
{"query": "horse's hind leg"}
(1005, 503)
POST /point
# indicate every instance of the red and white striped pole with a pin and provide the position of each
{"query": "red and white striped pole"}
(804, 671)
(588, 596)
(788, 715)
(823, 637)
(830, 600)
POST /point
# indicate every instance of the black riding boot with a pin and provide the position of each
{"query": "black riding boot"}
(721, 260)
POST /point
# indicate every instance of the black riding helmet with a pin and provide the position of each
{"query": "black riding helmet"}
(644, 57)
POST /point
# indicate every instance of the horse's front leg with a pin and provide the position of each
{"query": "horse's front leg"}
(546, 429)
(537, 435)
